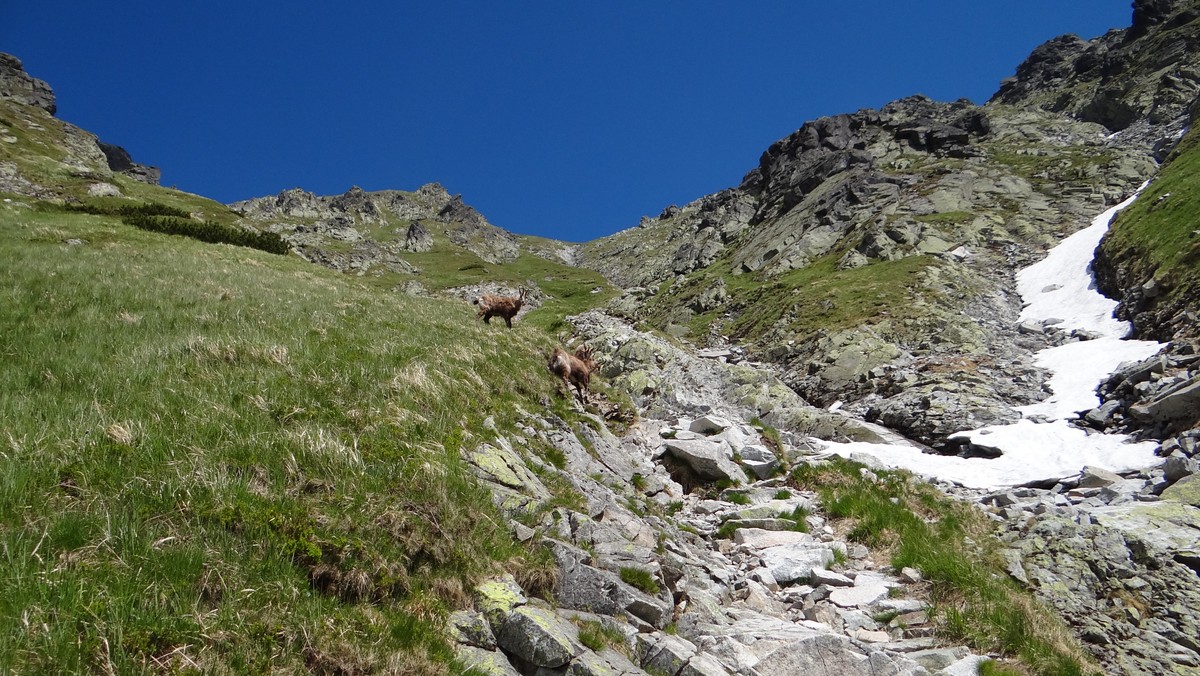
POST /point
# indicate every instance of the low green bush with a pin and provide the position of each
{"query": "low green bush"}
(169, 220)
(208, 231)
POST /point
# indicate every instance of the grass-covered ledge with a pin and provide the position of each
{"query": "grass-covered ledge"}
(911, 523)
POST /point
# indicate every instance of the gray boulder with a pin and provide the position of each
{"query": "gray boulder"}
(710, 461)
(666, 654)
(417, 238)
(538, 637)
(584, 587)
(759, 459)
(1178, 467)
(471, 628)
(1179, 404)
(831, 655)
(607, 663)
(790, 563)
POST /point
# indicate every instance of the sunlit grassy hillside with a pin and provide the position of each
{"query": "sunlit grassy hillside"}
(218, 459)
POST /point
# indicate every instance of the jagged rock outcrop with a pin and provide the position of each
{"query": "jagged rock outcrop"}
(19, 86)
(1145, 76)
(120, 161)
(417, 238)
(1118, 563)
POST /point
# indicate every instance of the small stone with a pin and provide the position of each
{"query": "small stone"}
(1097, 477)
(828, 577)
(862, 594)
(867, 636)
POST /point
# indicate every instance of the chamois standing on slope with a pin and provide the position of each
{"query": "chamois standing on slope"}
(499, 306)
(574, 369)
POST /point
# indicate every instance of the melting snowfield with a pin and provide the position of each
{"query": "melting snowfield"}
(1059, 287)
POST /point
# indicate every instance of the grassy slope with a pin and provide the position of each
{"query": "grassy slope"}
(568, 290)
(1156, 236)
(223, 459)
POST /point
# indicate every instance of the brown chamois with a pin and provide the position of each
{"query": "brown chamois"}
(574, 369)
(499, 306)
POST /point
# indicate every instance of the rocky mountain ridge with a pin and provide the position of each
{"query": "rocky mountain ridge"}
(308, 221)
(977, 191)
(926, 207)
(1116, 559)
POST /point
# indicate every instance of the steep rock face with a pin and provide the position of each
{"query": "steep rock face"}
(120, 161)
(1149, 258)
(33, 104)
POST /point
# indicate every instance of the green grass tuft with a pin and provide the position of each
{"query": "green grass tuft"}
(639, 578)
(599, 636)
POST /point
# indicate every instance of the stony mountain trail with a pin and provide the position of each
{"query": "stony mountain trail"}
(772, 600)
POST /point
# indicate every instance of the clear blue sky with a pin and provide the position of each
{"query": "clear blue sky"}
(556, 118)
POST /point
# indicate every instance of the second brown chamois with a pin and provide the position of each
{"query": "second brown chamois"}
(574, 369)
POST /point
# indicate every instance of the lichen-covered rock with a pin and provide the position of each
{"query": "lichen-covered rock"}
(1170, 527)
(1185, 491)
(472, 628)
(497, 598)
(500, 464)
(485, 662)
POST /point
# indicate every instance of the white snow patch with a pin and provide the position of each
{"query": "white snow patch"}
(1059, 287)
(1078, 369)
(1032, 452)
